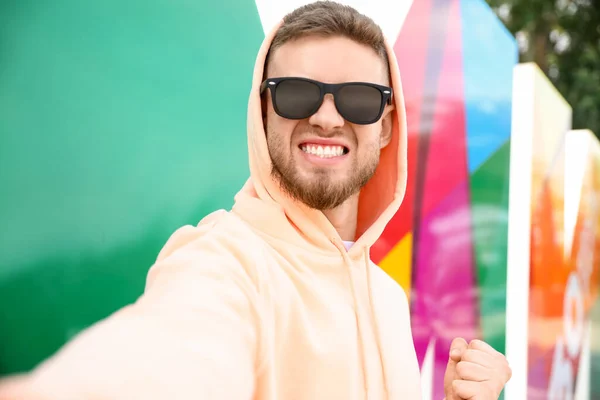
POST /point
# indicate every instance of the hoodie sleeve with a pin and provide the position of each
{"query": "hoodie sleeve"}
(192, 335)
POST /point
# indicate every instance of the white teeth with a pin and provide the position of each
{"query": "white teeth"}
(323, 151)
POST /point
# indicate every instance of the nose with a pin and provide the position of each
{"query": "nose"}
(327, 116)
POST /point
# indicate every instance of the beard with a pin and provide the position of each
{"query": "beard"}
(321, 191)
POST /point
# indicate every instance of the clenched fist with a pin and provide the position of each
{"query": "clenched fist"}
(475, 371)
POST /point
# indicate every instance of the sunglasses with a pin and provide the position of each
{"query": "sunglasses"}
(360, 103)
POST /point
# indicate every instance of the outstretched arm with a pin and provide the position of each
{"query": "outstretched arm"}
(191, 335)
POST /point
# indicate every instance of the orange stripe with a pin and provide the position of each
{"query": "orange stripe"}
(397, 263)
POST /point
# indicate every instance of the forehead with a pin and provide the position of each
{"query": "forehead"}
(329, 60)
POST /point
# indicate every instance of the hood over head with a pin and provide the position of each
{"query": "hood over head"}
(379, 199)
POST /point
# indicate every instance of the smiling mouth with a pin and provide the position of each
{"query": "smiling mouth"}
(324, 151)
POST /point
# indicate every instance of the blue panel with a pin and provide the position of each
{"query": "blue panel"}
(489, 55)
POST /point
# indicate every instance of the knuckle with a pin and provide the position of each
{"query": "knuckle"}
(468, 355)
(500, 361)
(479, 345)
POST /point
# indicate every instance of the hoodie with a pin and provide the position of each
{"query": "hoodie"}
(260, 302)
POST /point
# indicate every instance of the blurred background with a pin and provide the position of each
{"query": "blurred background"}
(563, 38)
(122, 121)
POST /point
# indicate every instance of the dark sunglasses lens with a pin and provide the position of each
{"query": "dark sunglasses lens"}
(297, 99)
(359, 104)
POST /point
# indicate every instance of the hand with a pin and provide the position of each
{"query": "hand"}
(475, 371)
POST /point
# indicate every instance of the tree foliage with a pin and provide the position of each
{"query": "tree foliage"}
(563, 38)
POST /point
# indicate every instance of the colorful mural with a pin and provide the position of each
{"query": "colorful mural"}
(553, 214)
(447, 244)
(582, 255)
(549, 271)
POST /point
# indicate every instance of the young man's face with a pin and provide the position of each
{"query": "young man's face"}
(324, 159)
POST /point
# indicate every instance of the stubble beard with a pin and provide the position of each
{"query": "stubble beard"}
(322, 191)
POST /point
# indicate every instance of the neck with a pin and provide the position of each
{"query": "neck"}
(344, 218)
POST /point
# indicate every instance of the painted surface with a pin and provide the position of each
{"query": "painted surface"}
(549, 271)
(564, 268)
(582, 247)
(559, 222)
(447, 244)
(118, 124)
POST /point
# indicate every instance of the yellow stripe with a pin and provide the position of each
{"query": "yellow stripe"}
(397, 263)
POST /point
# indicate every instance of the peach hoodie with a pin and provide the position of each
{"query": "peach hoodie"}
(262, 302)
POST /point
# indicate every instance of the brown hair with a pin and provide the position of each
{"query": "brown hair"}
(328, 18)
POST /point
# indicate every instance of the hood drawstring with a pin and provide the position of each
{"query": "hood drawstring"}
(348, 262)
(376, 323)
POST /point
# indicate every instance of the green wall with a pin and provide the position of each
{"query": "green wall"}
(119, 122)
(595, 351)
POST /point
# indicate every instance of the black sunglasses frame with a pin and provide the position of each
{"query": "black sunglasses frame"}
(325, 88)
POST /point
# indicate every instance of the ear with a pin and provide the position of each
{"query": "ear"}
(266, 95)
(386, 127)
(263, 106)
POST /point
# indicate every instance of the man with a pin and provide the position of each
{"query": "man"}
(278, 298)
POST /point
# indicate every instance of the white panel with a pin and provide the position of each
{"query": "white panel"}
(541, 119)
(427, 372)
(519, 227)
(389, 15)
